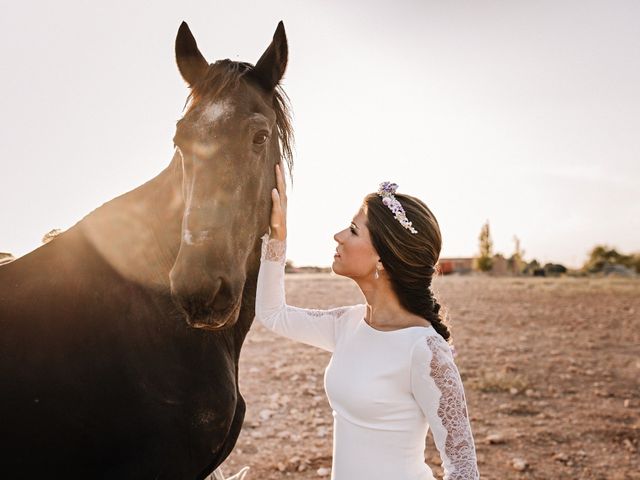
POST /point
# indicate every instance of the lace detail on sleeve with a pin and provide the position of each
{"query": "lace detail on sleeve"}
(273, 250)
(451, 428)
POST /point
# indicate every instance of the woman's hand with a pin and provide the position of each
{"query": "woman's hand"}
(279, 206)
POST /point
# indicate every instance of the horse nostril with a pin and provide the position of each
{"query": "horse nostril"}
(216, 296)
(222, 297)
(209, 299)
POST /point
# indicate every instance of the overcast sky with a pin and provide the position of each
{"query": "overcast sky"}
(523, 113)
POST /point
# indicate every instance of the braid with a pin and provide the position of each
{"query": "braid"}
(409, 260)
(436, 320)
(412, 296)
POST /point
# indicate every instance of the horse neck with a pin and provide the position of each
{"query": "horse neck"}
(138, 233)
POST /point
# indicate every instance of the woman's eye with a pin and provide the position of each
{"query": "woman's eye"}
(260, 138)
(353, 230)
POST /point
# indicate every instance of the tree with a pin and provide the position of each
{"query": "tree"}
(602, 255)
(516, 260)
(554, 269)
(531, 267)
(484, 261)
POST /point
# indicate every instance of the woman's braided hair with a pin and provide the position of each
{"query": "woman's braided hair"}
(409, 259)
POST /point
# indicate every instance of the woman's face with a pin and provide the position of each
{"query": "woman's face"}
(355, 256)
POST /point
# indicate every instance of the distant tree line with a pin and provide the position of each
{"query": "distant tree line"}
(601, 259)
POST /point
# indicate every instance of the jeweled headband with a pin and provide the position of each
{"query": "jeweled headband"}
(386, 191)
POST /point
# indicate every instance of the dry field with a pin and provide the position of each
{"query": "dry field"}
(551, 370)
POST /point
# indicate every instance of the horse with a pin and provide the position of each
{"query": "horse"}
(120, 338)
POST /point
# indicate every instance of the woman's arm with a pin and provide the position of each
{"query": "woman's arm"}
(313, 327)
(437, 388)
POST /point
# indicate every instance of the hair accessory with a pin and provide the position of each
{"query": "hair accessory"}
(386, 191)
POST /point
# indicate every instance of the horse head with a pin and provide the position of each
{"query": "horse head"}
(234, 131)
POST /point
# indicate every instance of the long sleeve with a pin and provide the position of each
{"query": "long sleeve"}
(437, 387)
(309, 326)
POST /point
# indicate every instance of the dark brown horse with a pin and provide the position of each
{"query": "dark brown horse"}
(120, 338)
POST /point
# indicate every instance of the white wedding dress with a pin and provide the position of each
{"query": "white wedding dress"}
(386, 388)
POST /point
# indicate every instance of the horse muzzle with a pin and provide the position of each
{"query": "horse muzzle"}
(212, 304)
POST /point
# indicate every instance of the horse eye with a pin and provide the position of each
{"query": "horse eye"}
(260, 138)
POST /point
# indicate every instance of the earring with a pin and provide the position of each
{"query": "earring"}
(376, 275)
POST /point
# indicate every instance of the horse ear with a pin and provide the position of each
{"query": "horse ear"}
(191, 63)
(273, 62)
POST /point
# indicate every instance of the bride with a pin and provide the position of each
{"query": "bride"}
(391, 376)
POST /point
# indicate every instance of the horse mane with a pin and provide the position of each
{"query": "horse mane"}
(223, 77)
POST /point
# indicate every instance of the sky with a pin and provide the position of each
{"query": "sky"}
(522, 113)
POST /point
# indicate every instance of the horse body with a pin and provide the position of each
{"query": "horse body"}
(102, 376)
(102, 373)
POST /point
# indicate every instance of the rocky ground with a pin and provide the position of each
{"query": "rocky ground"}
(551, 370)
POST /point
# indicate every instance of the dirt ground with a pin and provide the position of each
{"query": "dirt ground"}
(551, 370)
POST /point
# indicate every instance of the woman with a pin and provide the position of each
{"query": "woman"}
(392, 374)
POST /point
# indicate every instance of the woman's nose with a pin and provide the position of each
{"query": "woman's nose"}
(335, 237)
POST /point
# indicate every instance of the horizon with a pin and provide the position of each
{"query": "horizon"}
(55, 232)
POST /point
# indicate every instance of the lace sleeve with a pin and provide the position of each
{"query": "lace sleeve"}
(437, 388)
(313, 327)
(273, 250)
